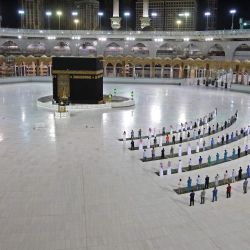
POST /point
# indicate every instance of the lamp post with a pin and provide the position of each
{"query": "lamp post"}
(21, 13)
(59, 13)
(178, 22)
(232, 12)
(76, 21)
(186, 15)
(48, 14)
(207, 15)
(100, 15)
(126, 14)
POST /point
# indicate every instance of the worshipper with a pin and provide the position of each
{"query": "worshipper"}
(198, 183)
(216, 180)
(203, 194)
(163, 131)
(239, 149)
(225, 177)
(222, 139)
(173, 139)
(188, 136)
(132, 134)
(246, 149)
(190, 164)
(234, 154)
(207, 182)
(218, 140)
(161, 169)
(194, 133)
(179, 186)
(200, 162)
(240, 174)
(155, 141)
(124, 136)
(189, 149)
(232, 136)
(153, 153)
(229, 189)
(132, 145)
(212, 142)
(214, 193)
(139, 133)
(141, 144)
(217, 158)
(167, 139)
(197, 147)
(204, 145)
(169, 169)
(225, 155)
(180, 167)
(189, 184)
(148, 143)
(144, 155)
(227, 138)
(245, 186)
(160, 141)
(248, 172)
(180, 150)
(233, 175)
(172, 151)
(163, 153)
(192, 195)
(209, 160)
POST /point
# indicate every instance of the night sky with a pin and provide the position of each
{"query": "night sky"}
(10, 17)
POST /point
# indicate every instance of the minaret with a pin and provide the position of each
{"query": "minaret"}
(145, 20)
(116, 20)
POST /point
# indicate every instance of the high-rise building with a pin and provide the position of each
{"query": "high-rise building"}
(168, 12)
(212, 7)
(33, 14)
(87, 14)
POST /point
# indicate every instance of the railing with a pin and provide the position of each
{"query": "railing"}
(144, 34)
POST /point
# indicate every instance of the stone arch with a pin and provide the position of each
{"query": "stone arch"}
(10, 47)
(167, 71)
(110, 69)
(139, 70)
(166, 50)
(192, 51)
(242, 52)
(87, 49)
(157, 70)
(36, 49)
(62, 49)
(216, 51)
(119, 69)
(113, 49)
(147, 70)
(140, 49)
(176, 71)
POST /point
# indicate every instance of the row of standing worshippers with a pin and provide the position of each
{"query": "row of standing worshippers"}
(199, 181)
(215, 193)
(180, 128)
(201, 144)
(200, 161)
(171, 139)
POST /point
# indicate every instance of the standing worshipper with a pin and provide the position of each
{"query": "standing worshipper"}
(234, 154)
(209, 160)
(173, 139)
(189, 149)
(132, 145)
(132, 134)
(179, 186)
(203, 194)
(207, 182)
(163, 153)
(204, 145)
(239, 149)
(225, 155)
(198, 183)
(124, 136)
(190, 164)
(160, 141)
(172, 151)
(248, 172)
(153, 153)
(225, 177)
(212, 142)
(192, 195)
(246, 149)
(144, 155)
(229, 189)
(139, 133)
(148, 143)
(216, 180)
(161, 169)
(180, 151)
(197, 147)
(217, 158)
(179, 167)
(167, 138)
(169, 169)
(240, 174)
(141, 145)
(233, 175)
(155, 141)
(189, 184)
(200, 162)
(214, 193)
(245, 186)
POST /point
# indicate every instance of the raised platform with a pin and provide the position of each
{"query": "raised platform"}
(117, 102)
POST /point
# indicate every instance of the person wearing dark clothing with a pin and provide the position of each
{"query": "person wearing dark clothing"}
(207, 182)
(225, 125)
(180, 139)
(139, 133)
(173, 139)
(163, 153)
(132, 145)
(203, 194)
(239, 149)
(227, 138)
(229, 188)
(222, 139)
(240, 174)
(209, 130)
(200, 162)
(192, 195)
(217, 126)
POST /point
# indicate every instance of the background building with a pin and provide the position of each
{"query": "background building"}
(168, 12)
(33, 14)
(212, 7)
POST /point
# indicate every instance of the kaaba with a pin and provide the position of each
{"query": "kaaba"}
(77, 79)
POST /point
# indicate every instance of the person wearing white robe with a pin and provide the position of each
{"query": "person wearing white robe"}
(180, 151)
(141, 144)
(197, 147)
(179, 167)
(171, 130)
(161, 169)
(124, 136)
(169, 169)
(194, 134)
(160, 141)
(148, 143)
(189, 149)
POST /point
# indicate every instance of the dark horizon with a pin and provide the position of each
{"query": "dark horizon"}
(11, 19)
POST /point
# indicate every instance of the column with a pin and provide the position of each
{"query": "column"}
(145, 20)
(162, 71)
(116, 20)
(171, 72)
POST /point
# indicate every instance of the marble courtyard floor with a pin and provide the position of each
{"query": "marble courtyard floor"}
(71, 185)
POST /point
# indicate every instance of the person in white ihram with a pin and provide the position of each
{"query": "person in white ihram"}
(180, 151)
(189, 149)
(141, 144)
(161, 169)
(197, 147)
(169, 169)
(179, 167)
(160, 141)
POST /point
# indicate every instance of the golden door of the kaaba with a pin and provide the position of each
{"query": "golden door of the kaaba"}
(63, 86)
